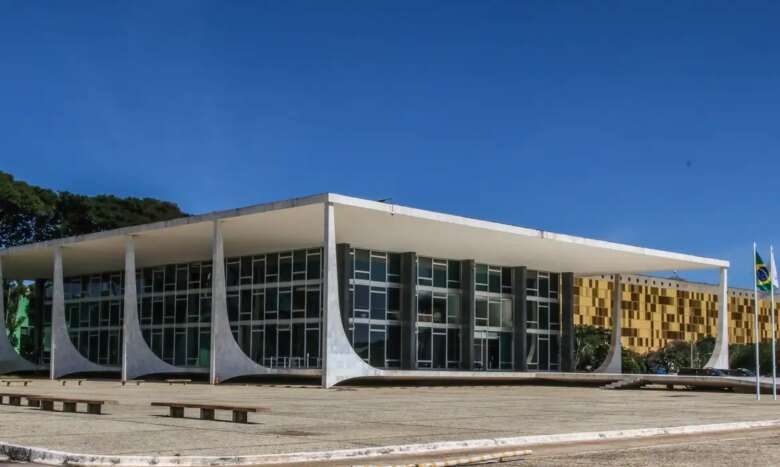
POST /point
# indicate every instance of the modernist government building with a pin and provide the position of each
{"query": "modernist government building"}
(341, 288)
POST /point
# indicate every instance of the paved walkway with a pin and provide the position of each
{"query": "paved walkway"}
(308, 418)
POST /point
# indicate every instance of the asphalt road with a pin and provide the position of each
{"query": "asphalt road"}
(745, 448)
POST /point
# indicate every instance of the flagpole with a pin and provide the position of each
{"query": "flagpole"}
(772, 314)
(755, 320)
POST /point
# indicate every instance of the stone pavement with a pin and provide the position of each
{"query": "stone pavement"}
(308, 418)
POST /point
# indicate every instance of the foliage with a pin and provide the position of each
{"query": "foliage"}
(633, 362)
(16, 291)
(744, 356)
(31, 214)
(591, 347)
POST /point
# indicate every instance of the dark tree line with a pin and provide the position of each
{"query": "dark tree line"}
(29, 213)
(592, 346)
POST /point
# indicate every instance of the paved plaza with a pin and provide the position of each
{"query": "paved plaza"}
(308, 418)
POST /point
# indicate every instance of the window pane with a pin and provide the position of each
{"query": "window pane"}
(231, 274)
(361, 340)
(362, 260)
(394, 342)
(377, 358)
(424, 304)
(313, 267)
(439, 310)
(494, 316)
(439, 351)
(313, 304)
(377, 305)
(439, 275)
(495, 281)
(481, 311)
(454, 311)
(424, 268)
(394, 264)
(299, 261)
(393, 299)
(482, 274)
(378, 269)
(424, 344)
(506, 313)
(361, 297)
(285, 269)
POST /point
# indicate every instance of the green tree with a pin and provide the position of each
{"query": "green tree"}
(591, 346)
(27, 213)
(633, 362)
(744, 356)
(32, 214)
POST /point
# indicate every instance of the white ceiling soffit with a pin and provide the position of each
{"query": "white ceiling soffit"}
(283, 228)
(370, 224)
(298, 223)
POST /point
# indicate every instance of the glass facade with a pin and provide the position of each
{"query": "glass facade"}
(275, 309)
(375, 324)
(543, 321)
(493, 326)
(375, 319)
(274, 304)
(174, 310)
(439, 313)
(93, 312)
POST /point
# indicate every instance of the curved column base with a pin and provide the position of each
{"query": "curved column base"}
(15, 363)
(71, 362)
(231, 362)
(613, 363)
(145, 362)
(720, 354)
(340, 362)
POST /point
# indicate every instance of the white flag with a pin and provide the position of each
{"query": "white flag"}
(775, 283)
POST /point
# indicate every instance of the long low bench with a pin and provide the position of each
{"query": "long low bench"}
(183, 381)
(68, 404)
(9, 382)
(16, 399)
(207, 410)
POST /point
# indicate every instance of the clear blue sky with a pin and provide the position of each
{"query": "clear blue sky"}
(650, 123)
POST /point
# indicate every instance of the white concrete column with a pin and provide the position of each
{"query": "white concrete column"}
(65, 357)
(57, 311)
(614, 361)
(720, 354)
(339, 360)
(137, 358)
(130, 302)
(218, 296)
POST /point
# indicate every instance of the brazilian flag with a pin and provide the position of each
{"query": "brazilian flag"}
(763, 281)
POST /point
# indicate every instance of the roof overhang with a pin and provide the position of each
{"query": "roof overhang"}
(299, 223)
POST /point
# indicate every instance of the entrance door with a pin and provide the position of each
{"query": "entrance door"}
(492, 353)
(486, 351)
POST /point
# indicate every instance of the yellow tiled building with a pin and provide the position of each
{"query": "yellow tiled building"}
(657, 311)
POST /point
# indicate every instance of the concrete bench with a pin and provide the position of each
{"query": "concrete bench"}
(207, 410)
(136, 381)
(77, 381)
(68, 404)
(9, 382)
(171, 382)
(16, 399)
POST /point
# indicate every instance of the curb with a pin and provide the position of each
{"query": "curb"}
(46, 456)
